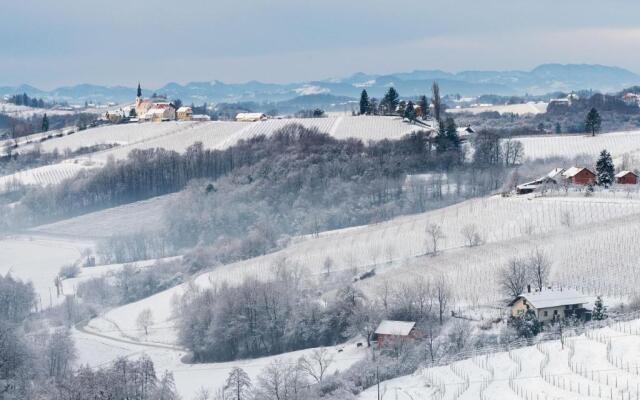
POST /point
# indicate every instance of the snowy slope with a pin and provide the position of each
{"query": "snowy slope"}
(43, 176)
(601, 364)
(510, 226)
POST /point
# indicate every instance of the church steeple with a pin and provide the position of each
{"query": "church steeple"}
(139, 90)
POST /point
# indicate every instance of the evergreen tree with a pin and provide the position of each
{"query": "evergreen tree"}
(410, 112)
(436, 101)
(451, 131)
(391, 100)
(558, 128)
(605, 170)
(593, 122)
(364, 103)
(599, 310)
(424, 106)
(45, 123)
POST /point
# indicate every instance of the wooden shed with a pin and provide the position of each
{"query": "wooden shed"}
(579, 176)
(626, 178)
(395, 330)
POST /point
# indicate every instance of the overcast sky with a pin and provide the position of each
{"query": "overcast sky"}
(50, 43)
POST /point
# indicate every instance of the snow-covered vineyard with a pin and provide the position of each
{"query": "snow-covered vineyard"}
(598, 364)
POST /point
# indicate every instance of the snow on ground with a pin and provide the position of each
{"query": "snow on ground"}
(585, 367)
(69, 285)
(24, 112)
(43, 176)
(143, 215)
(189, 378)
(520, 109)
(570, 146)
(39, 259)
(510, 226)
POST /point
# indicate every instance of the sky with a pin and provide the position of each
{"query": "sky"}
(51, 43)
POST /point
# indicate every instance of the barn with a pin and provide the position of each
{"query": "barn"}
(395, 330)
(579, 176)
(626, 178)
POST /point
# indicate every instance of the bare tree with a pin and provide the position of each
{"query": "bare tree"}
(471, 235)
(316, 364)
(539, 267)
(327, 265)
(513, 277)
(442, 295)
(434, 236)
(60, 352)
(238, 384)
(436, 101)
(513, 152)
(145, 320)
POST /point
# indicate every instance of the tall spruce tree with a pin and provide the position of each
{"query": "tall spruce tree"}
(605, 169)
(424, 106)
(391, 100)
(45, 123)
(364, 103)
(593, 122)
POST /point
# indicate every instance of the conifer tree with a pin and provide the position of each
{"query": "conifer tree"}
(605, 170)
(410, 112)
(45, 123)
(391, 100)
(436, 101)
(599, 310)
(364, 103)
(593, 122)
(424, 106)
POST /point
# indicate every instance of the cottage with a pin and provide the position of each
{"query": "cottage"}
(550, 305)
(251, 117)
(395, 330)
(548, 180)
(579, 176)
(161, 112)
(184, 114)
(626, 178)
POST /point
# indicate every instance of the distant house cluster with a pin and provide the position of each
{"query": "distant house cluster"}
(576, 176)
(154, 109)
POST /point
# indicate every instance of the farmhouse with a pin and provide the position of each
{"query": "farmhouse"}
(184, 114)
(579, 176)
(550, 179)
(626, 178)
(251, 117)
(395, 330)
(147, 109)
(550, 305)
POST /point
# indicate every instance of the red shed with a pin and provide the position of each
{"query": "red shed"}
(579, 176)
(626, 178)
(395, 330)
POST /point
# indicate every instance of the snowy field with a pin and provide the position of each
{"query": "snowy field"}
(190, 378)
(602, 364)
(570, 146)
(509, 227)
(178, 136)
(112, 221)
(519, 109)
(26, 112)
(43, 176)
(39, 259)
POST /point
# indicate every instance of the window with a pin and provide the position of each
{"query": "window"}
(546, 313)
(555, 312)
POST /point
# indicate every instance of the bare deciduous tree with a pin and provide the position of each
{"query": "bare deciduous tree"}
(471, 235)
(316, 364)
(513, 277)
(145, 320)
(539, 268)
(434, 236)
(238, 384)
(442, 295)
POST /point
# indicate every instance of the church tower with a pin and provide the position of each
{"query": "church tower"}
(138, 97)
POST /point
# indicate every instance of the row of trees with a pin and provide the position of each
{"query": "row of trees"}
(392, 105)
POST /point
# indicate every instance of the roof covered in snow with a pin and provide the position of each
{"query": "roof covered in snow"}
(554, 298)
(555, 172)
(395, 328)
(623, 173)
(573, 171)
(184, 109)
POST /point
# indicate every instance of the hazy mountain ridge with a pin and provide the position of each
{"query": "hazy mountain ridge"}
(542, 79)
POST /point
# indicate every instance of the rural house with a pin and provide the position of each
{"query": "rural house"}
(550, 179)
(395, 330)
(579, 176)
(184, 114)
(626, 178)
(550, 305)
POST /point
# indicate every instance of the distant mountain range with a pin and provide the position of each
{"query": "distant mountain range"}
(542, 79)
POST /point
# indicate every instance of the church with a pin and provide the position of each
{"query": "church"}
(154, 109)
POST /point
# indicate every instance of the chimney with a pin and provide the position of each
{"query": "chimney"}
(528, 288)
